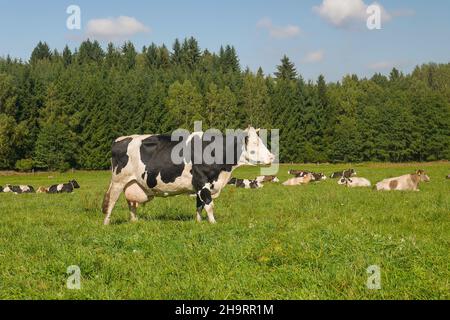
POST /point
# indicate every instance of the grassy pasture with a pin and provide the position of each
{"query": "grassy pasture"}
(305, 242)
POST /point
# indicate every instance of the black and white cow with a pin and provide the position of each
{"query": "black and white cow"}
(315, 176)
(246, 183)
(63, 187)
(142, 168)
(346, 174)
(18, 189)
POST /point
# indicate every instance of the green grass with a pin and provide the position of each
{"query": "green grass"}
(305, 242)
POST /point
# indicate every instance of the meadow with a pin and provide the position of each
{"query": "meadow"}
(304, 242)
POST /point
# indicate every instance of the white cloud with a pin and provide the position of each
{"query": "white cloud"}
(388, 65)
(343, 13)
(115, 28)
(315, 56)
(382, 65)
(278, 32)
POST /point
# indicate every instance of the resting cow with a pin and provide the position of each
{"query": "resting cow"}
(18, 189)
(316, 176)
(64, 187)
(346, 174)
(42, 190)
(262, 179)
(354, 182)
(407, 182)
(143, 168)
(307, 178)
(245, 183)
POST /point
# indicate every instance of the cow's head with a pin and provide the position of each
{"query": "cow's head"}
(344, 180)
(74, 184)
(423, 176)
(255, 151)
(320, 176)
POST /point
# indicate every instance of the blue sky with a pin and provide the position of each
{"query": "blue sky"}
(320, 36)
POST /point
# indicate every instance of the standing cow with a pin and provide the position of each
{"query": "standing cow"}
(407, 182)
(143, 168)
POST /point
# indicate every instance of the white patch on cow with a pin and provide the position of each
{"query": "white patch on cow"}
(7, 189)
(24, 188)
(255, 151)
(356, 182)
(60, 187)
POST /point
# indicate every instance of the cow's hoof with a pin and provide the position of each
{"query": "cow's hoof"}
(134, 219)
(212, 221)
(106, 222)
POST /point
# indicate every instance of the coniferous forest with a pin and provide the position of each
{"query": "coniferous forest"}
(62, 110)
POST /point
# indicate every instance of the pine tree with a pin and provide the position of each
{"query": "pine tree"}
(40, 52)
(286, 71)
(67, 56)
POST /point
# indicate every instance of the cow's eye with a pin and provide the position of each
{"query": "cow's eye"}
(252, 152)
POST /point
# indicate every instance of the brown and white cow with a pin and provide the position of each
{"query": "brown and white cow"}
(307, 178)
(143, 167)
(408, 182)
(262, 179)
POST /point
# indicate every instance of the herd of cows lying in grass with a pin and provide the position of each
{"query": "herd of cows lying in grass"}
(348, 178)
(56, 188)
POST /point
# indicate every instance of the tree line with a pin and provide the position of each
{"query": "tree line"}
(62, 110)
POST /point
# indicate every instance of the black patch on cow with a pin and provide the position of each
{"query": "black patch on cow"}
(253, 184)
(156, 155)
(200, 203)
(53, 189)
(119, 154)
(240, 183)
(348, 173)
(75, 184)
(336, 175)
(232, 181)
(203, 173)
(205, 196)
(16, 189)
(318, 176)
(1, 189)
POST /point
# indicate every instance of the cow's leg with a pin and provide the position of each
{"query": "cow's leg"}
(200, 206)
(205, 196)
(111, 197)
(132, 206)
(210, 211)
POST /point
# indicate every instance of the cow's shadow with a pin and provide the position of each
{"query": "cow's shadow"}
(156, 217)
(167, 217)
